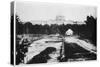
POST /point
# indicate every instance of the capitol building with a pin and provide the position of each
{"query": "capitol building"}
(58, 20)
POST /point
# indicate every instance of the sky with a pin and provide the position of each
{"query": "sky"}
(30, 11)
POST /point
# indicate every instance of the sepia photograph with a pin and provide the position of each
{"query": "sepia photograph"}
(54, 32)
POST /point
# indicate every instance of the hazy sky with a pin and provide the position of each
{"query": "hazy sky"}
(28, 11)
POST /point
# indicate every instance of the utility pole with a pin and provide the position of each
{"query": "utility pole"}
(62, 48)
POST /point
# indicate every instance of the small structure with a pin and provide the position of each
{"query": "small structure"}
(69, 32)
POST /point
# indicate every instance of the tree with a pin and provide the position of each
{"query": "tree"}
(19, 25)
